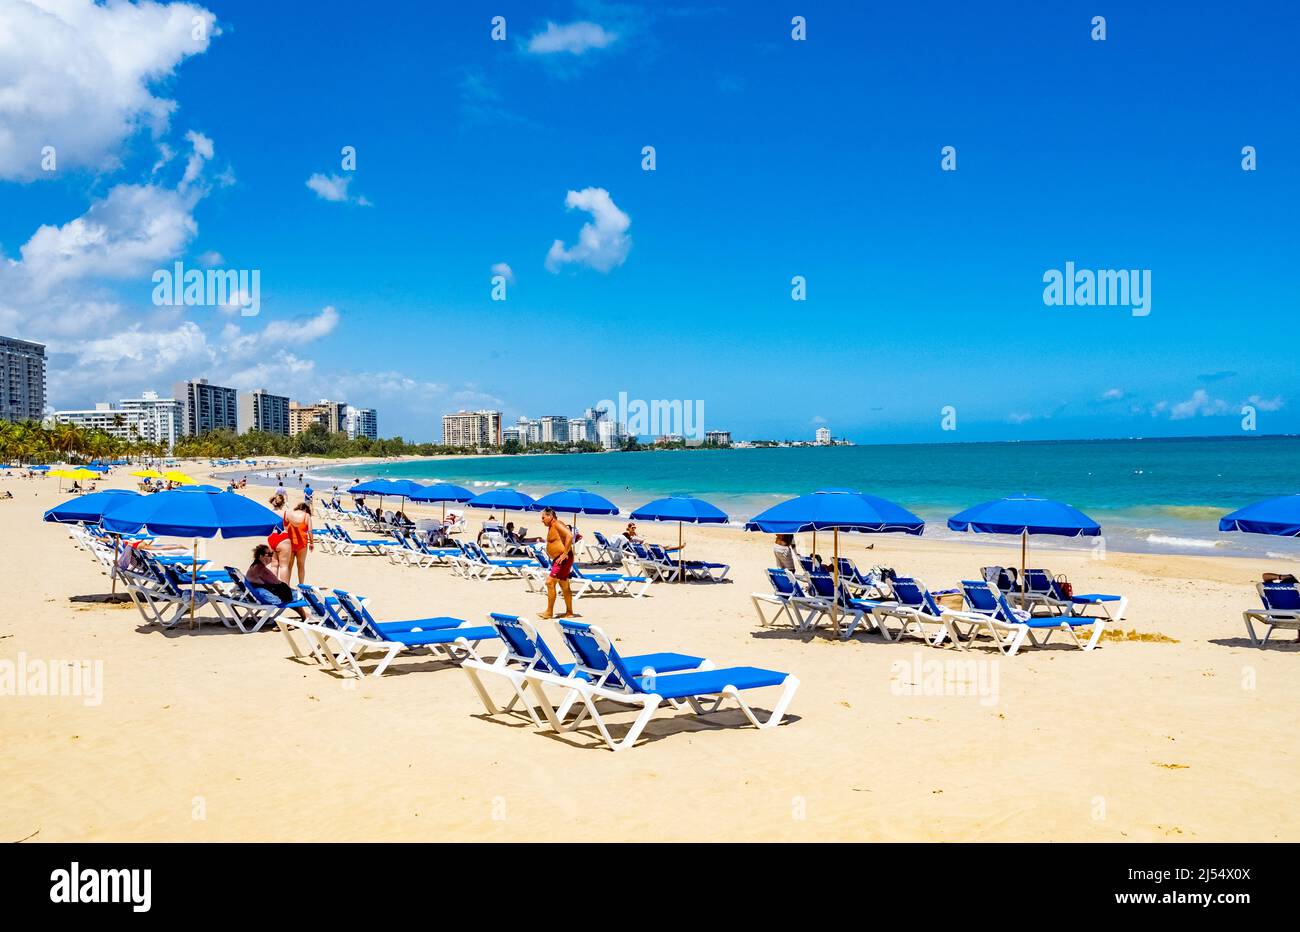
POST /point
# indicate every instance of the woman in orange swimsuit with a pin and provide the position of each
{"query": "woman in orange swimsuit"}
(279, 541)
(297, 524)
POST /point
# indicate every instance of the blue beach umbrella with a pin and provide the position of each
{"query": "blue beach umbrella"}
(192, 514)
(576, 502)
(505, 499)
(1279, 517)
(684, 510)
(1025, 515)
(89, 508)
(837, 510)
(442, 492)
(40, 469)
(402, 488)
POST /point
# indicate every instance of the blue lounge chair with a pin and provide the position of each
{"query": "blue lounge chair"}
(704, 691)
(789, 598)
(914, 606)
(840, 605)
(988, 612)
(473, 563)
(343, 647)
(525, 650)
(1281, 610)
(250, 608)
(694, 569)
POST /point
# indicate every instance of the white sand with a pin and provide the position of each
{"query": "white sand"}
(212, 735)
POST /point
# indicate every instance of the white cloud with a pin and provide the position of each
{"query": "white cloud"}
(1019, 417)
(1113, 394)
(572, 38)
(80, 76)
(211, 258)
(1266, 404)
(125, 234)
(503, 269)
(603, 243)
(1199, 404)
(335, 188)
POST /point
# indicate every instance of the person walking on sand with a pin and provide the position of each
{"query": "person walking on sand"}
(559, 547)
(279, 541)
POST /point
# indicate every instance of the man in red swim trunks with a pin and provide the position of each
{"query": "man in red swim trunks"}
(559, 547)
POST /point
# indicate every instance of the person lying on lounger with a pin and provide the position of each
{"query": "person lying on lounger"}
(1275, 578)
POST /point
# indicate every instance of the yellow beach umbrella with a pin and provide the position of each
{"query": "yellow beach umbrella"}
(148, 474)
(173, 475)
(78, 474)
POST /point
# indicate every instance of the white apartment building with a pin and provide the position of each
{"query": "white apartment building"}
(22, 380)
(362, 422)
(125, 425)
(554, 429)
(472, 429)
(160, 418)
(824, 436)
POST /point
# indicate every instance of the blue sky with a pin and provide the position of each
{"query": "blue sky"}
(775, 158)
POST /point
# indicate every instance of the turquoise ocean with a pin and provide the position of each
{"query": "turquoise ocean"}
(1162, 495)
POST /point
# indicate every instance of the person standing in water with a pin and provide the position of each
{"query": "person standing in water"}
(559, 547)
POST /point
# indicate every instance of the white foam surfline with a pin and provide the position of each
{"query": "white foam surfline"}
(1169, 541)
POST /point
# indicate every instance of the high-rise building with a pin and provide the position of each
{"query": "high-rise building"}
(824, 436)
(362, 422)
(160, 418)
(472, 429)
(555, 429)
(260, 410)
(206, 407)
(717, 438)
(331, 415)
(125, 425)
(610, 433)
(22, 380)
(509, 434)
(581, 429)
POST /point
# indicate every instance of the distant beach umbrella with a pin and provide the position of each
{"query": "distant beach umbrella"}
(1279, 517)
(684, 510)
(443, 492)
(504, 499)
(147, 474)
(1025, 515)
(178, 477)
(837, 510)
(576, 502)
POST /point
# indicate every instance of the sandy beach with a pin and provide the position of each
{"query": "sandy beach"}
(209, 735)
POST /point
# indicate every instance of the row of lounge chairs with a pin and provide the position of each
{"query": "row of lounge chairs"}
(909, 608)
(339, 632)
(654, 561)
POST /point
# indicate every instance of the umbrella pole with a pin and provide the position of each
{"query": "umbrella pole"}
(835, 570)
(113, 576)
(681, 564)
(194, 575)
(1024, 550)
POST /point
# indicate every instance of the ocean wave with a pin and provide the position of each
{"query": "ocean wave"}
(1170, 541)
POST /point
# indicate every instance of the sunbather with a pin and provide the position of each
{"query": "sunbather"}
(263, 576)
